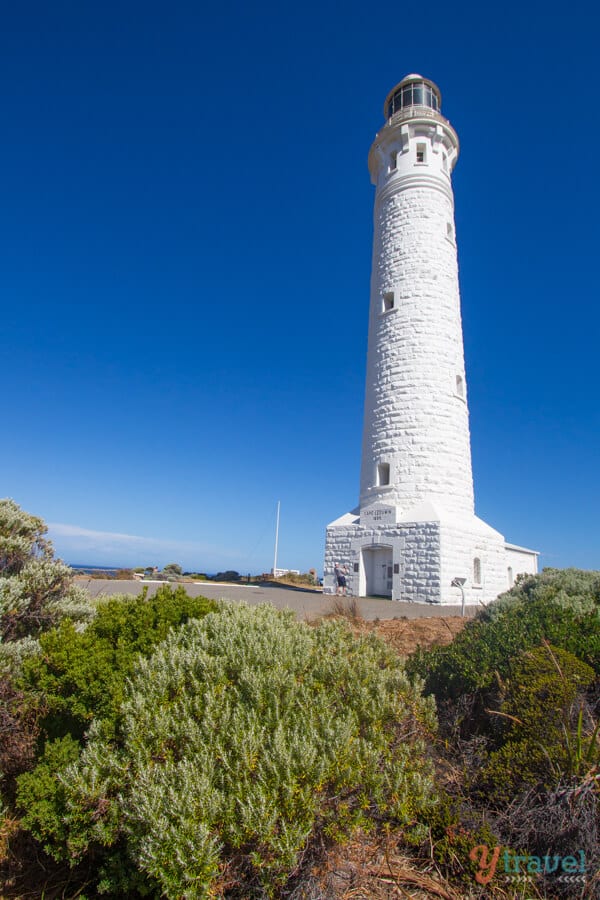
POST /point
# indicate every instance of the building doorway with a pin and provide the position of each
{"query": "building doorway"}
(379, 569)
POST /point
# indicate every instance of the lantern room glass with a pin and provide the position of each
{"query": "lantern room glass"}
(417, 93)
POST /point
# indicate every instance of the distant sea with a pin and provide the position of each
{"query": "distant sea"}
(96, 570)
(109, 571)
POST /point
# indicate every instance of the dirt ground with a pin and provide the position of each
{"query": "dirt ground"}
(405, 635)
(402, 633)
(367, 868)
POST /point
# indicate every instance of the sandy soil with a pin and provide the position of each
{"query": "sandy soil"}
(405, 635)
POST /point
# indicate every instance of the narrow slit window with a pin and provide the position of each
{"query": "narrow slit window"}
(383, 474)
(460, 386)
(476, 570)
(449, 231)
(511, 579)
(444, 162)
(420, 153)
(393, 162)
(388, 301)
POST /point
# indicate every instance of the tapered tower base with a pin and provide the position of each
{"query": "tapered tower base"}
(416, 557)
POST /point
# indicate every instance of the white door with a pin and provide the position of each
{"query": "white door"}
(379, 571)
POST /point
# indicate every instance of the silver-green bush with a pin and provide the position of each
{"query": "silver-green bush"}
(36, 590)
(244, 736)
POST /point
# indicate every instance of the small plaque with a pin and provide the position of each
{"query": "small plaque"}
(378, 515)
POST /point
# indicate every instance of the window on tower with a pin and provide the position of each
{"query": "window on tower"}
(477, 571)
(393, 161)
(383, 474)
(460, 386)
(388, 301)
(420, 153)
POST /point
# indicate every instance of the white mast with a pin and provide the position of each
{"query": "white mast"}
(276, 541)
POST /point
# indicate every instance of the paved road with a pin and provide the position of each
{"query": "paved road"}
(306, 604)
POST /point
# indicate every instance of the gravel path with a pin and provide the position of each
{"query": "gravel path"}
(306, 604)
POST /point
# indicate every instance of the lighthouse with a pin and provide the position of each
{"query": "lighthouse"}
(415, 536)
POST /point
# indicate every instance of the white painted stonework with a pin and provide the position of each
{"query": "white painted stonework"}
(415, 529)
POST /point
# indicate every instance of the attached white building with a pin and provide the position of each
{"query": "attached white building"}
(415, 529)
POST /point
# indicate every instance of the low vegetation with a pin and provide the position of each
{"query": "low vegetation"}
(302, 579)
(36, 590)
(518, 704)
(173, 747)
(559, 606)
(242, 742)
(241, 737)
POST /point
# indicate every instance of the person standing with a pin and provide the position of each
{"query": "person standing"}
(339, 574)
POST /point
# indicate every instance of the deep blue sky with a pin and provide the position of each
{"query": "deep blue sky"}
(185, 241)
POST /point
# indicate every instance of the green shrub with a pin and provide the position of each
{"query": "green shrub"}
(244, 735)
(541, 690)
(561, 607)
(42, 795)
(575, 589)
(81, 675)
(453, 832)
(19, 730)
(540, 724)
(519, 732)
(36, 590)
(77, 679)
(306, 578)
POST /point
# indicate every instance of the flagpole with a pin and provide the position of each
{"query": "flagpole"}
(276, 541)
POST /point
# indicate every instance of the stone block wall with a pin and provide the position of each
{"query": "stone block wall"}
(416, 415)
(429, 555)
(416, 551)
(338, 549)
(461, 545)
(420, 566)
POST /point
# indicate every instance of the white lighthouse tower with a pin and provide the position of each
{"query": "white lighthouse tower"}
(415, 531)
